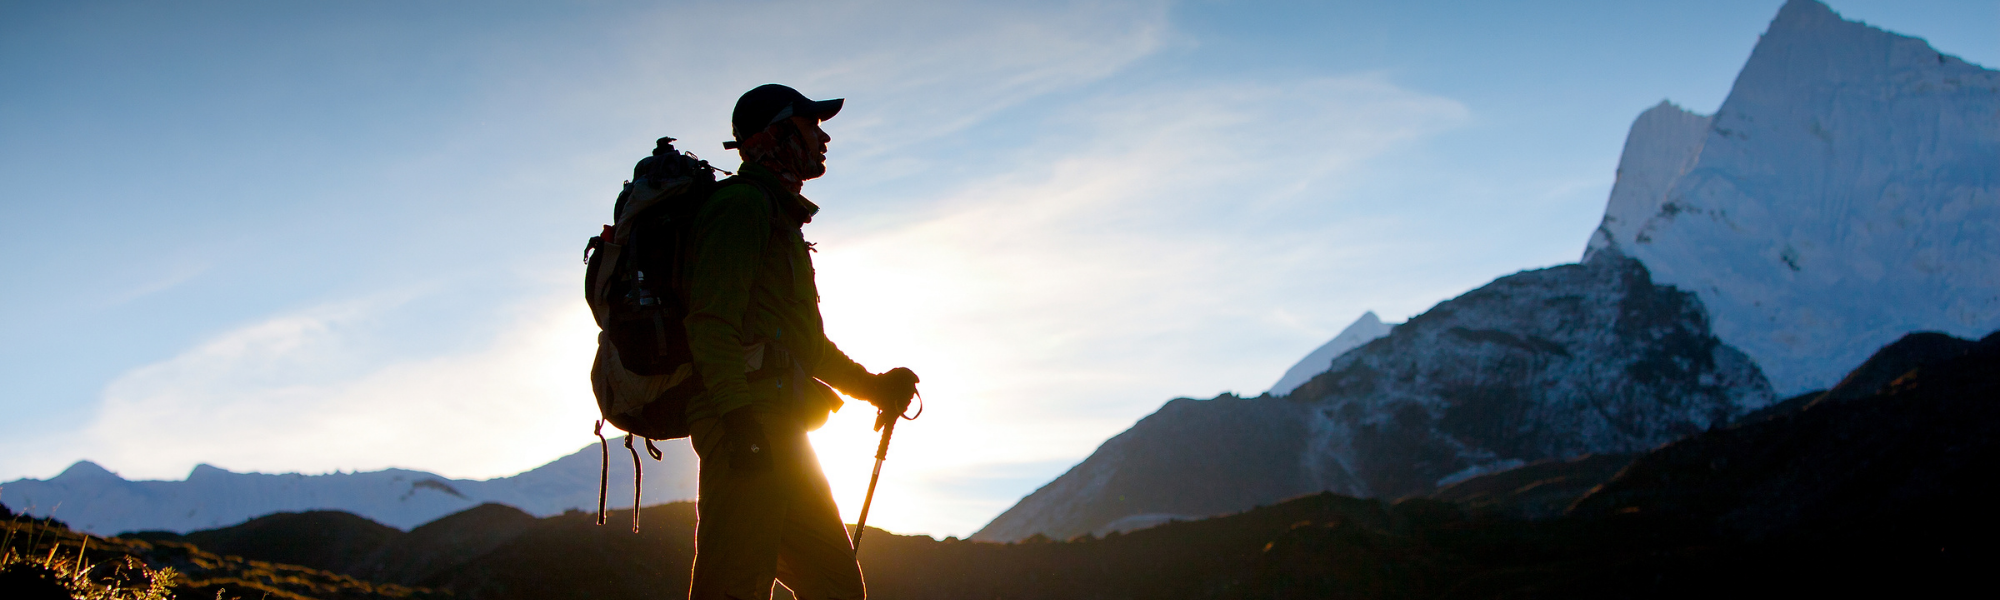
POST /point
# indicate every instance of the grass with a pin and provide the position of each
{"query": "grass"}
(28, 573)
(44, 559)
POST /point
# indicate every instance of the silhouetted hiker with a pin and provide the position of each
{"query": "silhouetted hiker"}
(765, 509)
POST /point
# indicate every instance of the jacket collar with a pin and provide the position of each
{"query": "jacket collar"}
(796, 206)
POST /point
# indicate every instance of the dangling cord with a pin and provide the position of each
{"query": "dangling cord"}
(637, 479)
(603, 468)
(653, 450)
(920, 408)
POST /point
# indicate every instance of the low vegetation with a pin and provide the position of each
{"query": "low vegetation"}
(42, 559)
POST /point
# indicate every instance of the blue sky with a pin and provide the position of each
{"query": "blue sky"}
(296, 236)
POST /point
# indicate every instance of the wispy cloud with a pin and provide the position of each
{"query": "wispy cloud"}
(310, 391)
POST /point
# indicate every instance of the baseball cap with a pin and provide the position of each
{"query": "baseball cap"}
(771, 103)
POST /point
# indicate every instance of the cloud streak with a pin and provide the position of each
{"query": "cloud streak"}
(310, 392)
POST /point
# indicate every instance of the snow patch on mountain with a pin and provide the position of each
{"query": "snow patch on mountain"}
(1846, 193)
(1363, 330)
(1551, 363)
(91, 498)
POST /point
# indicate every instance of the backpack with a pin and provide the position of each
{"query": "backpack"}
(636, 284)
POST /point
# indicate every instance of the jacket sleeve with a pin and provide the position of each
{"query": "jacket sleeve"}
(731, 229)
(839, 371)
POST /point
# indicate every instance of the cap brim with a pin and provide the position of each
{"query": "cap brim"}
(824, 109)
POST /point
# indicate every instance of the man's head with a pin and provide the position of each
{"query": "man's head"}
(778, 127)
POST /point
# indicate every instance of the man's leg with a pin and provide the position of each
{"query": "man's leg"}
(815, 557)
(739, 524)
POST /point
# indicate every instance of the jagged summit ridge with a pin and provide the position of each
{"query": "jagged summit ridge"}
(1845, 193)
(1551, 363)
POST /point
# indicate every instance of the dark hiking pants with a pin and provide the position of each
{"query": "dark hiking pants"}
(779, 524)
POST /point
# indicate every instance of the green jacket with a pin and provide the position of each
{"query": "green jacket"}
(752, 281)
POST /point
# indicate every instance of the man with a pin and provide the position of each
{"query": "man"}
(759, 345)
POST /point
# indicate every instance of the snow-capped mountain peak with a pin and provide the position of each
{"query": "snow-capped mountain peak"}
(1363, 330)
(1845, 193)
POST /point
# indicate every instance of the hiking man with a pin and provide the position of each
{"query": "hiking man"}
(758, 342)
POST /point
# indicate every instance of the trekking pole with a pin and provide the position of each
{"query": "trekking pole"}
(881, 453)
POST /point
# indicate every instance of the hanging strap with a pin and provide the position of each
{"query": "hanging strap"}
(637, 480)
(603, 468)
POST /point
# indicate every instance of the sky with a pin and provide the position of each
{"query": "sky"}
(338, 236)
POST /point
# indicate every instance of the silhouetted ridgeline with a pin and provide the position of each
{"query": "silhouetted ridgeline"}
(1881, 492)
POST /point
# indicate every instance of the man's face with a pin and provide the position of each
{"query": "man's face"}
(812, 146)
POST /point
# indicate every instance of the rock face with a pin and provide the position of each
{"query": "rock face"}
(1547, 364)
(1846, 193)
(1554, 363)
(98, 501)
(1190, 459)
(1365, 329)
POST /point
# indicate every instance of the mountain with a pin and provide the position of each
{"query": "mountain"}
(96, 500)
(1365, 329)
(1545, 364)
(1844, 194)
(1188, 460)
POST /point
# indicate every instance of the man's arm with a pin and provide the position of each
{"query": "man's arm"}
(841, 372)
(731, 229)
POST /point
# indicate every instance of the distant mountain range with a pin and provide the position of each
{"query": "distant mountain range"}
(95, 500)
(1845, 194)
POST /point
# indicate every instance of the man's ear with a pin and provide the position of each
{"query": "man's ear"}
(757, 143)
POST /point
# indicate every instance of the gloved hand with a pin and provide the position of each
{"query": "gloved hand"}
(743, 442)
(890, 392)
